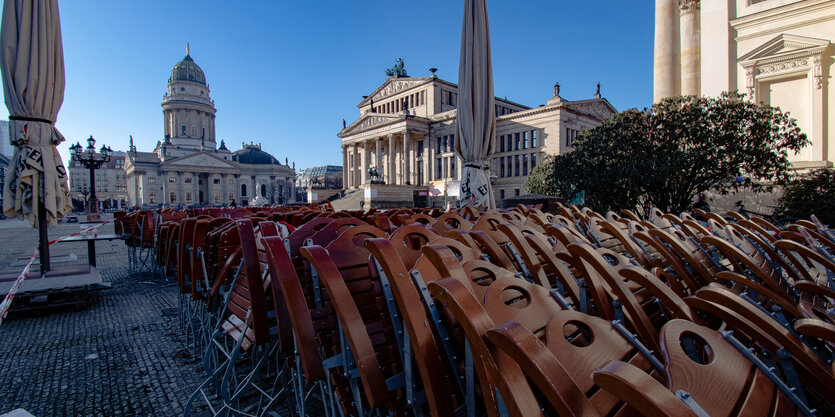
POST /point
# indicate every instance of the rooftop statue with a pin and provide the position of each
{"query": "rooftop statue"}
(398, 70)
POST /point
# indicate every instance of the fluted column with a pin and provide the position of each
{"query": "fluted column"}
(345, 167)
(180, 180)
(164, 178)
(378, 154)
(355, 164)
(406, 160)
(691, 66)
(364, 162)
(224, 197)
(666, 65)
(392, 158)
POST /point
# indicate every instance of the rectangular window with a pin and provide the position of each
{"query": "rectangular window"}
(509, 166)
(446, 144)
(419, 148)
(188, 180)
(452, 143)
(518, 140)
(509, 143)
(230, 196)
(571, 136)
(230, 181)
(449, 95)
(438, 142)
(184, 129)
(452, 172)
(534, 144)
(516, 164)
(188, 197)
(216, 181)
(533, 161)
(524, 165)
(525, 139)
(501, 194)
(419, 172)
(152, 180)
(501, 143)
(172, 180)
(172, 198)
(517, 192)
(438, 168)
(501, 167)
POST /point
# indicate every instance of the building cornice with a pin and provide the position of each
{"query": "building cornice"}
(781, 13)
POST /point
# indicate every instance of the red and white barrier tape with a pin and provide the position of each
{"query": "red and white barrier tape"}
(7, 301)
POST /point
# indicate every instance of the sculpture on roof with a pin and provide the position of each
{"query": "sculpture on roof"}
(398, 70)
(556, 89)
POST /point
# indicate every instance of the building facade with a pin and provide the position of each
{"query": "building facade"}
(189, 169)
(778, 52)
(111, 184)
(318, 183)
(407, 131)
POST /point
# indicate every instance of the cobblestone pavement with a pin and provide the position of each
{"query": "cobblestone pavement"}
(122, 355)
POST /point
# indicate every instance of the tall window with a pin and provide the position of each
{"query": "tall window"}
(188, 197)
(501, 194)
(263, 190)
(501, 143)
(525, 165)
(534, 144)
(172, 198)
(509, 143)
(439, 168)
(243, 190)
(452, 171)
(451, 143)
(525, 139)
(533, 160)
(509, 166)
(516, 163)
(446, 144)
(419, 148)
(518, 140)
(571, 136)
(501, 167)
(438, 142)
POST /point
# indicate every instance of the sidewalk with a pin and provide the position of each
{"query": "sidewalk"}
(123, 355)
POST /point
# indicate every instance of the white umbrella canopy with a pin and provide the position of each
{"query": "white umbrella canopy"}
(32, 65)
(476, 108)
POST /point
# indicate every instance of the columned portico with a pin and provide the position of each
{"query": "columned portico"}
(404, 179)
(392, 171)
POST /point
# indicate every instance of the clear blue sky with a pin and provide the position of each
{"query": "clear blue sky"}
(285, 73)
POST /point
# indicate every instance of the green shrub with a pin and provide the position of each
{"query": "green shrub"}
(811, 194)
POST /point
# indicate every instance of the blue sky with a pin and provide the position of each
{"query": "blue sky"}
(285, 73)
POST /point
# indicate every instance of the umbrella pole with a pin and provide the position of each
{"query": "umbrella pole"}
(44, 239)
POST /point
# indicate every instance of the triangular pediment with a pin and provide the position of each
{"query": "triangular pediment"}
(392, 86)
(200, 159)
(369, 121)
(598, 108)
(784, 47)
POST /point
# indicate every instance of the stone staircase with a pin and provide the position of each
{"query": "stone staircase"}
(351, 201)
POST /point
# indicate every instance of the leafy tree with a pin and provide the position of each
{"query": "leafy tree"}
(811, 194)
(660, 157)
(399, 69)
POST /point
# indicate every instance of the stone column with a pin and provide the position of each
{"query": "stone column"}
(666, 64)
(195, 199)
(180, 180)
(255, 190)
(406, 159)
(392, 158)
(691, 67)
(427, 161)
(344, 167)
(355, 164)
(164, 186)
(237, 192)
(224, 198)
(364, 162)
(378, 155)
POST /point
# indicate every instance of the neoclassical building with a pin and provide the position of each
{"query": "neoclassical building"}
(778, 52)
(188, 168)
(407, 132)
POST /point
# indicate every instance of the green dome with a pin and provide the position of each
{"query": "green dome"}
(188, 70)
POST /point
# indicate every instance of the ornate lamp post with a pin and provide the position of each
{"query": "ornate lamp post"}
(91, 160)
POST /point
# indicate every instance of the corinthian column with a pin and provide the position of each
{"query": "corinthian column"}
(344, 167)
(378, 155)
(392, 159)
(363, 162)
(691, 67)
(666, 64)
(406, 159)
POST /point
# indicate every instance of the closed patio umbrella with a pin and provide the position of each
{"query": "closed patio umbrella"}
(32, 64)
(476, 115)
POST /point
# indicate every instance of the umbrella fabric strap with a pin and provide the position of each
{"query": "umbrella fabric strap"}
(31, 119)
(476, 165)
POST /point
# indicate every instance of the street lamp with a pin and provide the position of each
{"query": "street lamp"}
(91, 160)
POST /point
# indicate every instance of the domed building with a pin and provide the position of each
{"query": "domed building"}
(188, 168)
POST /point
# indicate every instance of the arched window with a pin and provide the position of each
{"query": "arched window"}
(263, 190)
(243, 190)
